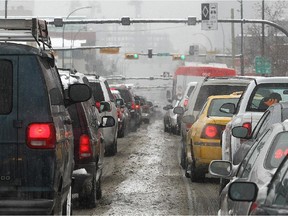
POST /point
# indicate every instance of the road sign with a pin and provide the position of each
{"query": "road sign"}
(209, 16)
(163, 54)
(262, 65)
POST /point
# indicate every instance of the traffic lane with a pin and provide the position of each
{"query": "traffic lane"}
(145, 177)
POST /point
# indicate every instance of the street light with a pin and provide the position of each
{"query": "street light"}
(80, 8)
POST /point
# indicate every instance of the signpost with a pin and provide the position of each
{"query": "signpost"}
(262, 65)
(209, 14)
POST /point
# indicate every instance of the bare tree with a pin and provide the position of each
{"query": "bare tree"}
(275, 48)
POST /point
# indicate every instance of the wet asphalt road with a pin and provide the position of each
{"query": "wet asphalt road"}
(145, 178)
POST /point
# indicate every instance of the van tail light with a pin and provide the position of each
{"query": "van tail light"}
(186, 103)
(248, 125)
(137, 106)
(41, 135)
(211, 132)
(85, 150)
(98, 104)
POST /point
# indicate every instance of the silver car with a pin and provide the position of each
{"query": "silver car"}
(101, 92)
(258, 166)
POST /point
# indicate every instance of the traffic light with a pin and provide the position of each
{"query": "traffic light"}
(178, 57)
(131, 56)
(150, 53)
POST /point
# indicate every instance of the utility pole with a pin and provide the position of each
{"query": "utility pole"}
(263, 32)
(242, 41)
(6, 7)
(233, 39)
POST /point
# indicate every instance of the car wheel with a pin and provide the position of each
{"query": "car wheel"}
(88, 200)
(121, 133)
(183, 159)
(67, 206)
(98, 189)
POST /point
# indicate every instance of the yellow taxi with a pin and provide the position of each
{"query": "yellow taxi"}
(205, 133)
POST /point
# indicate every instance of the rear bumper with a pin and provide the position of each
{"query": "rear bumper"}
(27, 207)
(204, 154)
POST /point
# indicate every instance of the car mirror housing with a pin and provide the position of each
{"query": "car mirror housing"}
(240, 132)
(120, 102)
(79, 92)
(228, 108)
(178, 110)
(107, 121)
(243, 191)
(188, 119)
(220, 168)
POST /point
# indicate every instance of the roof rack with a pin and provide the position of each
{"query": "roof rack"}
(25, 30)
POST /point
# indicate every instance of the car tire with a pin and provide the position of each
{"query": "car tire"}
(99, 189)
(121, 133)
(183, 159)
(67, 206)
(89, 200)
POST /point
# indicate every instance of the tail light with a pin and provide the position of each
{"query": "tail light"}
(137, 106)
(185, 102)
(133, 106)
(211, 132)
(253, 206)
(248, 125)
(41, 135)
(98, 104)
(85, 150)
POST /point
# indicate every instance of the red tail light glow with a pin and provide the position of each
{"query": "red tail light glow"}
(133, 106)
(253, 207)
(137, 106)
(279, 153)
(248, 125)
(98, 104)
(211, 131)
(85, 150)
(41, 135)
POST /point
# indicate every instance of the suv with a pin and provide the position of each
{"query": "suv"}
(102, 93)
(88, 143)
(248, 112)
(130, 103)
(36, 157)
(204, 89)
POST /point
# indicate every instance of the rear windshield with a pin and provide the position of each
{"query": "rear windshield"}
(262, 93)
(6, 86)
(97, 91)
(208, 90)
(278, 150)
(126, 95)
(214, 108)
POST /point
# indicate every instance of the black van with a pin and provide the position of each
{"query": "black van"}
(36, 137)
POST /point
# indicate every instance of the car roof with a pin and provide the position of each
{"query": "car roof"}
(228, 80)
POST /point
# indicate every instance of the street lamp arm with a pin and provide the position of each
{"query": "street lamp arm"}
(255, 21)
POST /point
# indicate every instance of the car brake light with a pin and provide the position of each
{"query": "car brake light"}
(84, 146)
(133, 106)
(211, 132)
(137, 106)
(98, 104)
(185, 102)
(253, 207)
(41, 135)
(248, 125)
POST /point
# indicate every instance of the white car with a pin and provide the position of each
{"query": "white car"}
(248, 111)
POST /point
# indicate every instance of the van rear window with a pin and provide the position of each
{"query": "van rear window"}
(6, 86)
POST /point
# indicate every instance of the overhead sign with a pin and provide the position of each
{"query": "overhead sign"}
(209, 16)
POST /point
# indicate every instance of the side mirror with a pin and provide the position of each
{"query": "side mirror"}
(178, 110)
(128, 104)
(243, 191)
(220, 168)
(228, 108)
(120, 102)
(240, 132)
(107, 121)
(168, 107)
(105, 106)
(79, 92)
(188, 119)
